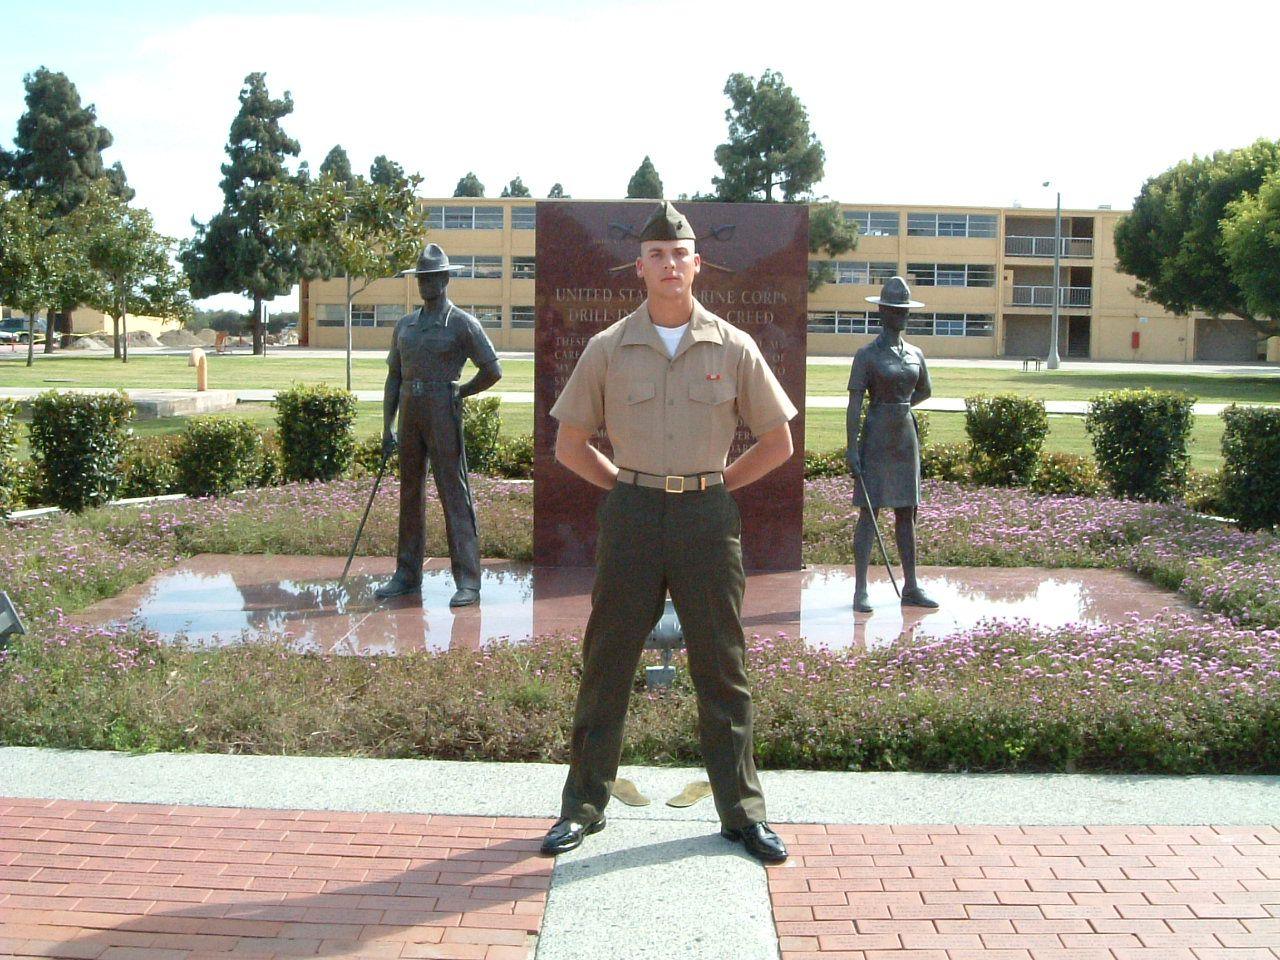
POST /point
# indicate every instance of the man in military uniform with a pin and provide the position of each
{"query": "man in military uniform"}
(428, 350)
(669, 383)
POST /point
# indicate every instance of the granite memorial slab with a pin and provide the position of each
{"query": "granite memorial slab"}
(754, 275)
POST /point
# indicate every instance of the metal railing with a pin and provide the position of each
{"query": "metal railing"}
(1043, 246)
(1026, 295)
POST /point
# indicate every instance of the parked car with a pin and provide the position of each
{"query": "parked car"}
(15, 329)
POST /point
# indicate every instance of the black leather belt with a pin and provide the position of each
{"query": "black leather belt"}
(678, 483)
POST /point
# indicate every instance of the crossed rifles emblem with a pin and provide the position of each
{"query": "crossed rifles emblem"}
(722, 234)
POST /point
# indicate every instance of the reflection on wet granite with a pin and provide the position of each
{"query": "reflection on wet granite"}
(214, 599)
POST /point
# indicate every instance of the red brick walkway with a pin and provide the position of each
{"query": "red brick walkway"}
(122, 881)
(1028, 893)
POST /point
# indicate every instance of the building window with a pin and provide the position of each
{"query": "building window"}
(477, 268)
(523, 268)
(874, 223)
(951, 225)
(952, 274)
(522, 318)
(435, 218)
(842, 321)
(466, 218)
(950, 324)
(362, 314)
(488, 315)
(524, 218)
(864, 272)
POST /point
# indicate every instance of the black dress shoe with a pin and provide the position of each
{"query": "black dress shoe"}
(915, 597)
(465, 597)
(395, 587)
(567, 835)
(761, 842)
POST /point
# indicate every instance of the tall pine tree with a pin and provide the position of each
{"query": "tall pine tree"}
(337, 165)
(238, 250)
(645, 182)
(58, 156)
(469, 186)
(385, 172)
(770, 145)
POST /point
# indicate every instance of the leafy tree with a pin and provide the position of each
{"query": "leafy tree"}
(1251, 240)
(132, 260)
(337, 165)
(386, 172)
(36, 258)
(645, 182)
(770, 144)
(238, 251)
(469, 186)
(515, 188)
(1173, 240)
(58, 156)
(361, 230)
(557, 192)
(829, 231)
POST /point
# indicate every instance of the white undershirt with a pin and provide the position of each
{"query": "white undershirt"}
(671, 336)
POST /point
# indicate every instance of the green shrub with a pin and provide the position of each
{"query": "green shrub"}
(1006, 434)
(315, 423)
(514, 459)
(922, 428)
(271, 470)
(1251, 466)
(77, 441)
(946, 461)
(217, 455)
(1203, 492)
(481, 424)
(26, 485)
(8, 457)
(1066, 475)
(829, 464)
(367, 456)
(150, 466)
(1140, 441)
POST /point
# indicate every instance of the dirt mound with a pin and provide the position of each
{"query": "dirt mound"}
(181, 337)
(141, 338)
(89, 343)
(207, 336)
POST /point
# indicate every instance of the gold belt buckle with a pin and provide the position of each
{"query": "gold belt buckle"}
(679, 481)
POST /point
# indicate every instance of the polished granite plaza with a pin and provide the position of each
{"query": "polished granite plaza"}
(218, 599)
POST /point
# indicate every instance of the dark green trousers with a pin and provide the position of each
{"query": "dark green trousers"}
(650, 542)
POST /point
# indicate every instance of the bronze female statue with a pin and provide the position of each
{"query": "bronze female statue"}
(884, 455)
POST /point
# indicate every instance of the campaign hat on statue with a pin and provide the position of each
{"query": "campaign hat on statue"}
(895, 293)
(432, 260)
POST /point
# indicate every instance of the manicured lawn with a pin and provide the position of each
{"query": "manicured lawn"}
(825, 430)
(245, 372)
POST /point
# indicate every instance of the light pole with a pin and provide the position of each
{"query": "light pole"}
(1053, 362)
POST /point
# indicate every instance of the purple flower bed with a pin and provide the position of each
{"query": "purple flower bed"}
(1176, 694)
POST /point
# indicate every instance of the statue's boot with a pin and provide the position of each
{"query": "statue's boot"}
(464, 597)
(915, 597)
(860, 602)
(397, 586)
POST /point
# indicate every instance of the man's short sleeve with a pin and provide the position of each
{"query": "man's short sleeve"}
(762, 403)
(858, 372)
(480, 349)
(581, 402)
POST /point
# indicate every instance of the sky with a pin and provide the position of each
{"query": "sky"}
(947, 103)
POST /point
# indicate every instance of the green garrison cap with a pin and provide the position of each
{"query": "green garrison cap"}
(667, 223)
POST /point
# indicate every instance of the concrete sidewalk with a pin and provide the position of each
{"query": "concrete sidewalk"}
(659, 882)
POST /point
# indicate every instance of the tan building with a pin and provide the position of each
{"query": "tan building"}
(85, 321)
(984, 273)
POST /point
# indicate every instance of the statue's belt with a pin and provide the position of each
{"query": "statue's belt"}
(888, 403)
(419, 388)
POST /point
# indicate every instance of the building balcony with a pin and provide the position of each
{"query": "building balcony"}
(1043, 246)
(1026, 295)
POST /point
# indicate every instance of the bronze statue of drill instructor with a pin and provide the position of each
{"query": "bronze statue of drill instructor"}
(884, 453)
(428, 350)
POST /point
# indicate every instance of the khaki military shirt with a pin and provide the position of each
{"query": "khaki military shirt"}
(424, 348)
(672, 415)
